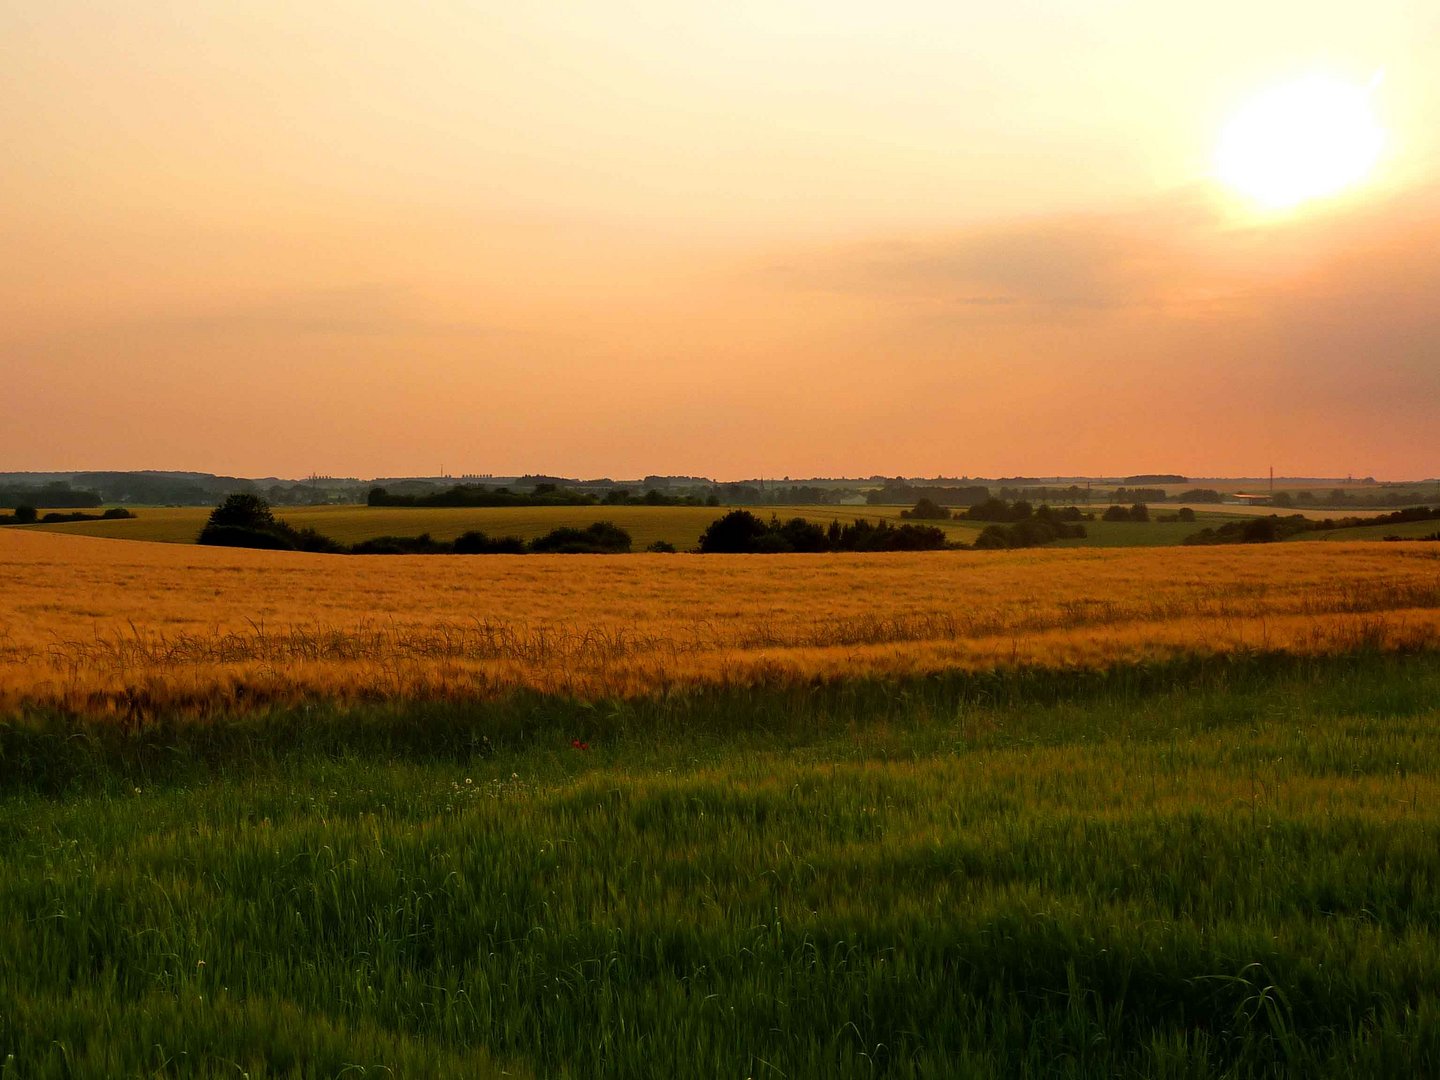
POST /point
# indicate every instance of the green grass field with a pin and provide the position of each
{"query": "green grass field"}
(1410, 530)
(1211, 869)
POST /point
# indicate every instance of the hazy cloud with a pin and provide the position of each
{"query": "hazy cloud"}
(1081, 261)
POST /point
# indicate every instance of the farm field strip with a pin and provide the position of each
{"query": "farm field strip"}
(678, 525)
(96, 625)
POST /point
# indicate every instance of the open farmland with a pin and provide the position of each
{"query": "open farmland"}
(1071, 813)
(93, 624)
(677, 525)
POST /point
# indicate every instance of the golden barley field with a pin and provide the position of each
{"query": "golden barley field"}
(99, 626)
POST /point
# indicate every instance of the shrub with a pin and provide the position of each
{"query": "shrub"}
(238, 536)
(245, 520)
(927, 510)
(243, 511)
(993, 538)
(802, 535)
(308, 539)
(424, 544)
(1024, 534)
(25, 515)
(599, 538)
(736, 532)
(476, 542)
(662, 547)
(1259, 531)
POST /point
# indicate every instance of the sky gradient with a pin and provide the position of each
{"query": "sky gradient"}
(732, 240)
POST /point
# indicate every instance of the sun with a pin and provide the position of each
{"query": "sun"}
(1304, 140)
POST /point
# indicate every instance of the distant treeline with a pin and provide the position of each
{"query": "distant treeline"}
(1340, 499)
(544, 494)
(1266, 529)
(57, 494)
(742, 533)
(480, 495)
(778, 495)
(898, 491)
(174, 488)
(599, 538)
(247, 521)
(28, 515)
(926, 509)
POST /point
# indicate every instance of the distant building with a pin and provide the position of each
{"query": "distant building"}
(1239, 499)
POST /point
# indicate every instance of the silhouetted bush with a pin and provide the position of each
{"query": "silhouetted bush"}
(661, 547)
(741, 532)
(476, 542)
(1000, 511)
(119, 513)
(424, 544)
(1255, 530)
(246, 520)
(599, 538)
(1025, 534)
(1138, 512)
(25, 515)
(736, 533)
(243, 511)
(1259, 531)
(236, 536)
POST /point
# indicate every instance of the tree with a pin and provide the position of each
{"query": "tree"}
(1259, 531)
(926, 510)
(1139, 512)
(243, 511)
(737, 532)
(26, 515)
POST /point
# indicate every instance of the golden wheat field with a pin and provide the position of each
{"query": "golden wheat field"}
(104, 626)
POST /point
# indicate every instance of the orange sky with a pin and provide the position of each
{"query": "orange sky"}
(736, 239)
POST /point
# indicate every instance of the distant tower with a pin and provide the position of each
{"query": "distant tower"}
(1272, 481)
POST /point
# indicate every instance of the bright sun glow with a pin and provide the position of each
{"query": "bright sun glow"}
(1301, 141)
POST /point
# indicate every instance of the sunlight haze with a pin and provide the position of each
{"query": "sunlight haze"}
(729, 240)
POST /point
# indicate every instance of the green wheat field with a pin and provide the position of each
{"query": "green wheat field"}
(1220, 868)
